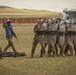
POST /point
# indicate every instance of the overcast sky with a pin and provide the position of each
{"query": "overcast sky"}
(52, 5)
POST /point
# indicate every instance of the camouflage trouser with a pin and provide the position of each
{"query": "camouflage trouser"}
(35, 43)
(10, 44)
(51, 49)
(42, 51)
(56, 48)
(62, 49)
(69, 47)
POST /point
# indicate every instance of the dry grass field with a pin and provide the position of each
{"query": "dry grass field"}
(32, 66)
(9, 12)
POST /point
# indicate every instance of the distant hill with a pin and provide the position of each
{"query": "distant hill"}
(9, 11)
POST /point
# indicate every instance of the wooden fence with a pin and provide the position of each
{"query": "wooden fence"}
(20, 20)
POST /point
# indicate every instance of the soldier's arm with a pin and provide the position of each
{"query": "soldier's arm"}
(47, 27)
(13, 33)
(57, 27)
(36, 28)
(5, 26)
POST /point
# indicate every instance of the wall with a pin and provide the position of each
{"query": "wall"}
(20, 20)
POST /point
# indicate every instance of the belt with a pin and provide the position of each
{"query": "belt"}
(74, 32)
(61, 33)
(50, 32)
(40, 32)
(71, 33)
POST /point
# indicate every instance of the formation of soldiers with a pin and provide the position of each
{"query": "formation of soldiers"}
(55, 33)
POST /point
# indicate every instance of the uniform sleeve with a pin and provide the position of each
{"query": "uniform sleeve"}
(35, 28)
(5, 26)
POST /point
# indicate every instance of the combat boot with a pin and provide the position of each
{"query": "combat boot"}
(63, 55)
(54, 55)
(43, 55)
(72, 54)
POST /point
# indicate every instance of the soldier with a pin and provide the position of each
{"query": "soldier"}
(61, 32)
(56, 45)
(63, 15)
(51, 35)
(9, 33)
(39, 37)
(61, 37)
(69, 36)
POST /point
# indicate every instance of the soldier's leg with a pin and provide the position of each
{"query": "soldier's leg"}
(56, 48)
(66, 49)
(0, 52)
(35, 42)
(7, 46)
(71, 50)
(12, 45)
(42, 50)
(52, 47)
(75, 49)
(62, 48)
(49, 50)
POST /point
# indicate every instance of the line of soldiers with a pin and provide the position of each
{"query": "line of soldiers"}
(61, 33)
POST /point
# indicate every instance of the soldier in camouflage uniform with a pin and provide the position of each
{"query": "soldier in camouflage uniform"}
(35, 41)
(61, 37)
(61, 32)
(69, 36)
(39, 37)
(51, 35)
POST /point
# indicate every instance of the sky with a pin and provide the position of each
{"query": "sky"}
(51, 5)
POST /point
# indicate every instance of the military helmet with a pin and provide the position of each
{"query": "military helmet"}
(65, 10)
(40, 20)
(8, 21)
(52, 18)
(48, 21)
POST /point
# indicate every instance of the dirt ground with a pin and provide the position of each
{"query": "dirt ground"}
(32, 66)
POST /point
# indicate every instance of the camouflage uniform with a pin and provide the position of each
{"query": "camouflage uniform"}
(51, 36)
(61, 37)
(69, 38)
(39, 38)
(61, 34)
(56, 45)
(35, 41)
